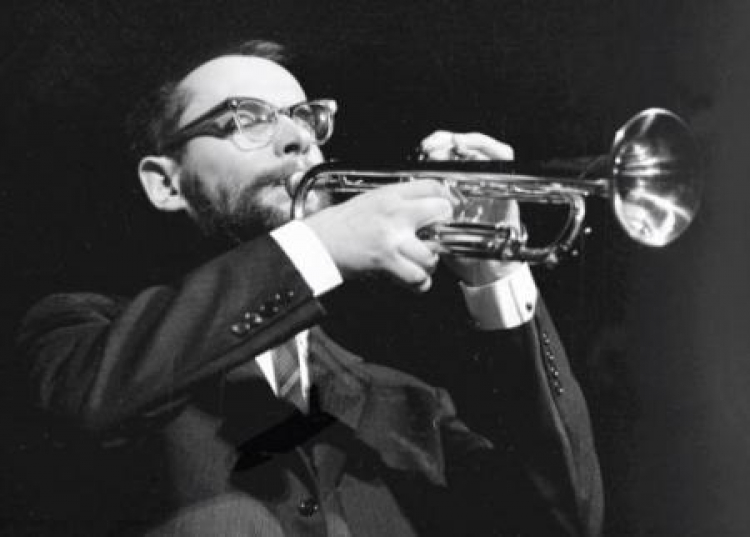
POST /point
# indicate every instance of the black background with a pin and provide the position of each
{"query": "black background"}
(658, 337)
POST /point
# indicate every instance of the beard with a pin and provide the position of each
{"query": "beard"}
(228, 215)
(235, 216)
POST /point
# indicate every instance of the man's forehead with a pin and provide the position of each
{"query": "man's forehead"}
(238, 76)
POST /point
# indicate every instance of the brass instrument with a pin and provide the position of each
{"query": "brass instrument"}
(653, 183)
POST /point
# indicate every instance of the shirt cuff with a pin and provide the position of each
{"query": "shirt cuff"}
(506, 303)
(303, 247)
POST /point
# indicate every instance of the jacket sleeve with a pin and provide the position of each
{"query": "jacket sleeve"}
(544, 471)
(104, 363)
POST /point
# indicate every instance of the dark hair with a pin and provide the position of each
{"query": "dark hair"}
(158, 114)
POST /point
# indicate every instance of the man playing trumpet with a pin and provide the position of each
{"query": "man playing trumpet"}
(257, 422)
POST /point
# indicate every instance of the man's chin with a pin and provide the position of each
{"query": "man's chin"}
(277, 216)
(242, 227)
(271, 218)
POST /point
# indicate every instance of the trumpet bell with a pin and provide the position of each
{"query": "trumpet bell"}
(656, 177)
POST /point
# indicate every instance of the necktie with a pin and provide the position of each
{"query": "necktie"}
(291, 365)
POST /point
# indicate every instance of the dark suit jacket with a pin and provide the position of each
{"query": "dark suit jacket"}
(167, 381)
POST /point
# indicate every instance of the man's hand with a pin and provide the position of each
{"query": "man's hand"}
(376, 231)
(443, 145)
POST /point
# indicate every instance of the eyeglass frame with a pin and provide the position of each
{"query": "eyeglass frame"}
(206, 125)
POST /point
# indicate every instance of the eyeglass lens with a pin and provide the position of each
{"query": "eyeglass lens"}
(257, 122)
(316, 118)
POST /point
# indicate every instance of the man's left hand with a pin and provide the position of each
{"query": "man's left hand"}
(444, 145)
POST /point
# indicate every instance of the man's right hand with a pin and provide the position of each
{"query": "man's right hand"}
(376, 231)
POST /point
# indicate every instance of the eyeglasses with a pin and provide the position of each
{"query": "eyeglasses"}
(257, 121)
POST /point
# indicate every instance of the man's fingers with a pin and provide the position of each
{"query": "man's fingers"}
(421, 254)
(445, 145)
(411, 275)
(424, 285)
(424, 212)
(478, 144)
(437, 141)
(423, 188)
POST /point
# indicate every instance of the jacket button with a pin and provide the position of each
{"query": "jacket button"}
(240, 329)
(557, 387)
(308, 507)
(253, 319)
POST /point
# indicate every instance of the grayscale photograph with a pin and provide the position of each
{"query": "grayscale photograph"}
(367, 268)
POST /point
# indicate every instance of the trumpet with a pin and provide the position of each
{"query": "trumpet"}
(652, 178)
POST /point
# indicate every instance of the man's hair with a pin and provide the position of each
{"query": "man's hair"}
(158, 114)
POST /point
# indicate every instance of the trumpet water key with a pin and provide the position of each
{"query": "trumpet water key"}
(653, 182)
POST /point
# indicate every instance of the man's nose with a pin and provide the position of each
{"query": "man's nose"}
(291, 138)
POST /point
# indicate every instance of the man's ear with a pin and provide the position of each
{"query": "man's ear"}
(160, 180)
